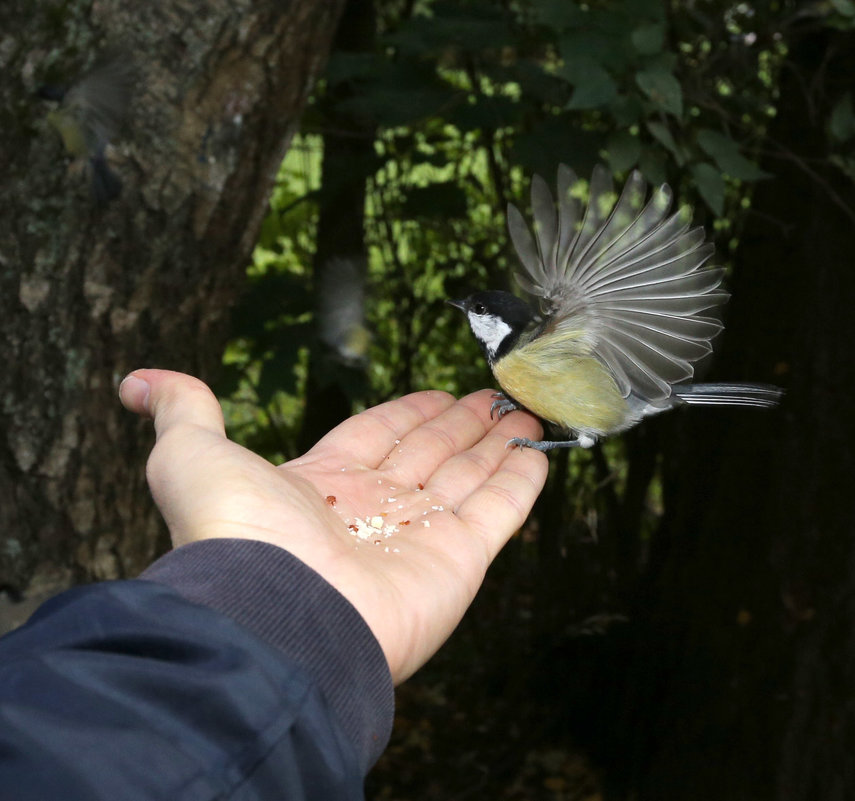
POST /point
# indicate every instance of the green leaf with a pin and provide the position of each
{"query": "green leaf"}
(662, 134)
(594, 87)
(623, 150)
(627, 110)
(841, 124)
(844, 7)
(557, 14)
(725, 152)
(597, 91)
(652, 165)
(600, 46)
(666, 61)
(662, 88)
(710, 185)
(648, 39)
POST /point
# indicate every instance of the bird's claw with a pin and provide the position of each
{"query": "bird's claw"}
(502, 405)
(522, 443)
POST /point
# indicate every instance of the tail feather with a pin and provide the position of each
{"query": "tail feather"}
(763, 396)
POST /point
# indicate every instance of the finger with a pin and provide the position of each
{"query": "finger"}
(368, 438)
(172, 399)
(425, 448)
(501, 505)
(461, 475)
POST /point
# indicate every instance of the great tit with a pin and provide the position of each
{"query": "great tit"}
(626, 310)
(89, 115)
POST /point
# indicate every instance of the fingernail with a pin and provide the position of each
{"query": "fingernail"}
(134, 393)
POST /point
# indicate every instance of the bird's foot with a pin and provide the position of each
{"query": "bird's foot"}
(503, 404)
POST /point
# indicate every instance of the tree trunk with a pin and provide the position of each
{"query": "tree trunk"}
(88, 293)
(341, 256)
(743, 662)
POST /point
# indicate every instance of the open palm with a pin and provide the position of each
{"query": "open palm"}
(401, 508)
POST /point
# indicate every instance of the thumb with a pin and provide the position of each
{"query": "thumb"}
(173, 400)
(190, 437)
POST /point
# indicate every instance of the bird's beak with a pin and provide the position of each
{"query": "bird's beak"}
(458, 304)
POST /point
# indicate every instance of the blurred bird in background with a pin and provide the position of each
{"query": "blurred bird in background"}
(626, 310)
(341, 310)
(89, 115)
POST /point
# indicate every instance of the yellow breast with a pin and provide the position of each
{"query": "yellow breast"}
(556, 379)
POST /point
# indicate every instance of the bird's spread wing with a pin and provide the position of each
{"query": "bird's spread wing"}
(627, 275)
(101, 97)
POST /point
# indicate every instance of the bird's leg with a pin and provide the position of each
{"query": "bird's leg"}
(582, 441)
(503, 404)
(542, 446)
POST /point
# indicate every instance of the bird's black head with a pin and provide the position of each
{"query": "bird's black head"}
(497, 319)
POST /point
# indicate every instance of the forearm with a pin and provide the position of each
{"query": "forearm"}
(289, 606)
(173, 687)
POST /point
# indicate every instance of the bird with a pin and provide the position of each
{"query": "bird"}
(626, 310)
(89, 115)
(341, 310)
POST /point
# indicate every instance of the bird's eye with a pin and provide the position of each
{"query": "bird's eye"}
(479, 308)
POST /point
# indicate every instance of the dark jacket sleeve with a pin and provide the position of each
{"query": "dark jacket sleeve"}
(229, 671)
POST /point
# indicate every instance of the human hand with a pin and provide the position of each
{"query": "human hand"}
(430, 473)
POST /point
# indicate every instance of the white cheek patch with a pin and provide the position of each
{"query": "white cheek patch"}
(490, 330)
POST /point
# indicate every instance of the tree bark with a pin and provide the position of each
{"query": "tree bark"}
(88, 293)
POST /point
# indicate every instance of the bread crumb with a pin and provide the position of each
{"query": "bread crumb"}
(371, 528)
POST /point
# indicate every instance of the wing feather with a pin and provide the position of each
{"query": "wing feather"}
(545, 221)
(629, 279)
(525, 246)
(568, 218)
